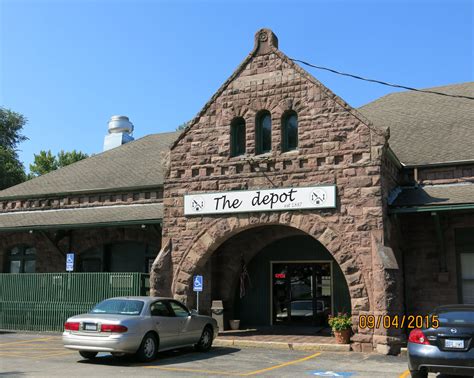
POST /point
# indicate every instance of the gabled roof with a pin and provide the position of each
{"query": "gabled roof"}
(137, 164)
(427, 128)
(272, 48)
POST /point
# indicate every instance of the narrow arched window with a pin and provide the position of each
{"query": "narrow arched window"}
(290, 131)
(263, 132)
(237, 137)
(22, 259)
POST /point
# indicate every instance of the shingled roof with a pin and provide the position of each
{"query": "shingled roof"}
(77, 217)
(427, 128)
(136, 164)
(435, 195)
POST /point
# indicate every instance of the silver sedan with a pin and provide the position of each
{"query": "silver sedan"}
(138, 325)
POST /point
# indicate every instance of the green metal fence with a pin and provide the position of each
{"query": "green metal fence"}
(43, 301)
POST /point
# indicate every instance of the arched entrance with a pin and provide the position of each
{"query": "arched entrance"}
(287, 280)
(310, 275)
(356, 252)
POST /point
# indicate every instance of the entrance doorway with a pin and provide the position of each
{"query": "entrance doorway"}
(301, 293)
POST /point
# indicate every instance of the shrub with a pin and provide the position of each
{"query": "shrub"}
(340, 322)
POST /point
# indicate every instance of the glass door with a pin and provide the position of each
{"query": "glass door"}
(301, 293)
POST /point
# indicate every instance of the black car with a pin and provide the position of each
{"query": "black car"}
(447, 349)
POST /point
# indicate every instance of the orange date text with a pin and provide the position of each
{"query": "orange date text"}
(398, 321)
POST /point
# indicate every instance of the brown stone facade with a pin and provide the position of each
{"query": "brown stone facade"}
(336, 146)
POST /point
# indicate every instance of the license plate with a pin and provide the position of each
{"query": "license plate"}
(90, 327)
(455, 344)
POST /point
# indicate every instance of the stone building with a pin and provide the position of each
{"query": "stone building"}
(290, 203)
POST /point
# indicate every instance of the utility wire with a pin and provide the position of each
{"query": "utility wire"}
(381, 82)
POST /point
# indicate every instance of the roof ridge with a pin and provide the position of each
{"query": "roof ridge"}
(302, 71)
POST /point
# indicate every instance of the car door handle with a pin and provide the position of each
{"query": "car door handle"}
(157, 323)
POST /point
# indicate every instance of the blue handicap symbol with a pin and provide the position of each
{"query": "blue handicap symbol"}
(330, 373)
(197, 285)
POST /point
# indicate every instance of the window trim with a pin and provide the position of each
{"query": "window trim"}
(235, 124)
(259, 140)
(170, 310)
(284, 131)
(22, 257)
(180, 305)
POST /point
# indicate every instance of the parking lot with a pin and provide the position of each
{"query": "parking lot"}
(43, 355)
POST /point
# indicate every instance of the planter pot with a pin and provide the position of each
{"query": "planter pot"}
(342, 337)
(234, 324)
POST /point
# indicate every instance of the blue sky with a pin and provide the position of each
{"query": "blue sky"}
(69, 65)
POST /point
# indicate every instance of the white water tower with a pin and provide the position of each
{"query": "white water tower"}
(120, 132)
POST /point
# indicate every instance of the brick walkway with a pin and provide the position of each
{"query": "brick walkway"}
(316, 335)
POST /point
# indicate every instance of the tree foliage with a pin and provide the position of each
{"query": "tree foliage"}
(11, 125)
(66, 158)
(11, 169)
(45, 161)
(182, 126)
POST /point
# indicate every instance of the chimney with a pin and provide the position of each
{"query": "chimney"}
(120, 132)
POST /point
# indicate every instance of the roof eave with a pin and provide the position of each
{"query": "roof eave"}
(82, 192)
(82, 225)
(439, 164)
(432, 208)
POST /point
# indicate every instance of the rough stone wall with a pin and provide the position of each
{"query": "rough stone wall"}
(426, 286)
(52, 246)
(336, 146)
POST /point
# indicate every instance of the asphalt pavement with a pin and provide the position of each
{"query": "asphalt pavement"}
(42, 355)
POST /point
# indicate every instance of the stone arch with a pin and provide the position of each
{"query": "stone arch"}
(208, 240)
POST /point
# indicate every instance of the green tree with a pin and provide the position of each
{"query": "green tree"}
(66, 158)
(11, 169)
(45, 161)
(182, 126)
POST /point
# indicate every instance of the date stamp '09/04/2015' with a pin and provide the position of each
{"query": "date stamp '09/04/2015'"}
(398, 321)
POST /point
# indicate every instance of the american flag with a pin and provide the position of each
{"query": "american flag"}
(244, 276)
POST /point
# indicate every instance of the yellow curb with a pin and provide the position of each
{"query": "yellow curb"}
(282, 345)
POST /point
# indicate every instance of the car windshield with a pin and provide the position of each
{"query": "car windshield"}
(118, 307)
(458, 317)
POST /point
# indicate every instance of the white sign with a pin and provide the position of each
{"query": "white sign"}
(69, 262)
(197, 283)
(315, 197)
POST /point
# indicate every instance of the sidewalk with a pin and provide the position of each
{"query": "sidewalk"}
(308, 338)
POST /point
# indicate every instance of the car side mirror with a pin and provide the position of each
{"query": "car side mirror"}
(193, 313)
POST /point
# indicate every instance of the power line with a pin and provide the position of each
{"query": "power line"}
(381, 82)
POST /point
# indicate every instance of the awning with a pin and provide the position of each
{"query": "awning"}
(434, 198)
(102, 216)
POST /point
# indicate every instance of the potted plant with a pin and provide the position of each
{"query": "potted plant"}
(341, 327)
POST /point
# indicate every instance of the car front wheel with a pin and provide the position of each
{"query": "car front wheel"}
(148, 348)
(418, 374)
(88, 355)
(205, 342)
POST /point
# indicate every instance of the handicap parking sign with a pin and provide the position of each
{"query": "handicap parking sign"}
(197, 283)
(69, 262)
